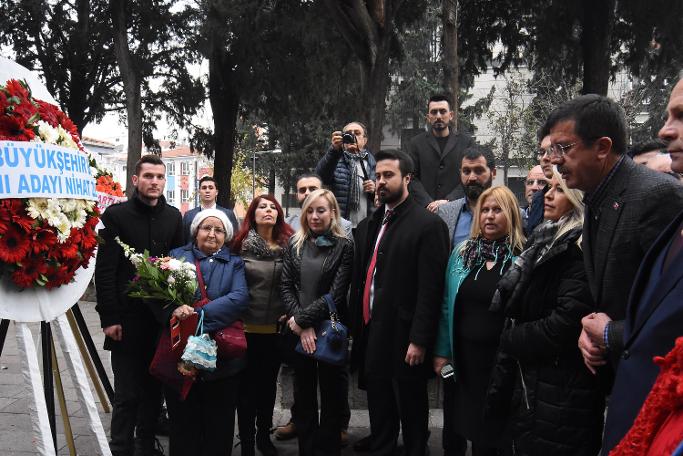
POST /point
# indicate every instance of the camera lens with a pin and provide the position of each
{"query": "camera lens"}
(349, 138)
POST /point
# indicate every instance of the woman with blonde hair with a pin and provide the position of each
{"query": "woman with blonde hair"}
(317, 268)
(468, 331)
(556, 406)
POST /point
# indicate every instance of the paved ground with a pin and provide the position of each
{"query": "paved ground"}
(16, 437)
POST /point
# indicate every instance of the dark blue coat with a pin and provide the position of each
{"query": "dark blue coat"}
(226, 287)
(335, 171)
(654, 320)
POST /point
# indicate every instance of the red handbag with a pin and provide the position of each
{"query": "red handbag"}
(231, 341)
(164, 365)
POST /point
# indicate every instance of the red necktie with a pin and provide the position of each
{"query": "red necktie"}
(371, 269)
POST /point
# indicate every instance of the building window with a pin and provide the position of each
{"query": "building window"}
(170, 196)
(185, 168)
(184, 196)
(170, 169)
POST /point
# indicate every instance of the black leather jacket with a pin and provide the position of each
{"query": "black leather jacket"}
(335, 279)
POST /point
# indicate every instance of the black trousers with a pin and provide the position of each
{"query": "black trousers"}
(346, 409)
(318, 436)
(204, 423)
(258, 385)
(395, 404)
(137, 402)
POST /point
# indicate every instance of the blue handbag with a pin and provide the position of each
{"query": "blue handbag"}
(201, 351)
(332, 344)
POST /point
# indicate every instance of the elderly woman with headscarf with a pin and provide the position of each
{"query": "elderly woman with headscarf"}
(203, 424)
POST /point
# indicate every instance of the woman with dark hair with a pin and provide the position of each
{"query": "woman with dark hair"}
(317, 268)
(261, 242)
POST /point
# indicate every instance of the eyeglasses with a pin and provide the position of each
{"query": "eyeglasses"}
(541, 182)
(541, 152)
(208, 229)
(558, 150)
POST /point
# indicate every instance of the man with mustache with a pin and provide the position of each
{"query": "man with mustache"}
(436, 155)
(655, 311)
(627, 207)
(534, 213)
(477, 171)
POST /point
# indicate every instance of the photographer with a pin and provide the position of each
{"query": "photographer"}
(347, 169)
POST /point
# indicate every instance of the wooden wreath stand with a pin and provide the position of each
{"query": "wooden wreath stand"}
(80, 355)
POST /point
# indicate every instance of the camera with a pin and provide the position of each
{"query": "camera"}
(348, 138)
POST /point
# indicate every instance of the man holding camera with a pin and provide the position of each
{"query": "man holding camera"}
(347, 169)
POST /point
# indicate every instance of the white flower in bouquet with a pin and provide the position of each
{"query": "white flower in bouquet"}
(171, 279)
(64, 138)
(68, 205)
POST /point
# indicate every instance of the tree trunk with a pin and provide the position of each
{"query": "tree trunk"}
(451, 65)
(375, 83)
(131, 87)
(224, 106)
(78, 98)
(597, 22)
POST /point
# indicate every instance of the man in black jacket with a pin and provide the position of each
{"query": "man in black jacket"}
(436, 156)
(402, 251)
(131, 330)
(627, 207)
(208, 192)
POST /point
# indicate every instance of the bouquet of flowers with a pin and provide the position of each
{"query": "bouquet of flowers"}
(107, 184)
(43, 241)
(167, 279)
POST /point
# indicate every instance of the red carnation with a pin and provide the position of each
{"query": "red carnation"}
(14, 245)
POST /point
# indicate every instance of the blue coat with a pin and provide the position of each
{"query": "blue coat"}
(654, 319)
(335, 171)
(226, 285)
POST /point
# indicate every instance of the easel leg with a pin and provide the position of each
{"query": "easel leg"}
(48, 384)
(80, 380)
(62, 402)
(102, 373)
(104, 400)
(4, 324)
(31, 372)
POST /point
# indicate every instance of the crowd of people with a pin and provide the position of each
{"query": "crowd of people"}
(541, 321)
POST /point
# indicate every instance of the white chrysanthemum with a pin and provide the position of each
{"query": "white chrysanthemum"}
(37, 208)
(53, 209)
(61, 222)
(77, 218)
(65, 139)
(47, 133)
(68, 205)
(171, 280)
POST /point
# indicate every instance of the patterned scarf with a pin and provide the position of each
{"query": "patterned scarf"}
(355, 187)
(255, 244)
(480, 250)
(326, 239)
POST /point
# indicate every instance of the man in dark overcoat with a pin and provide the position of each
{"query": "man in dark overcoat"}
(402, 251)
(145, 222)
(437, 154)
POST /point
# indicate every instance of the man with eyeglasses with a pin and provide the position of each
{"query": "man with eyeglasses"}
(437, 155)
(627, 207)
(347, 169)
(534, 213)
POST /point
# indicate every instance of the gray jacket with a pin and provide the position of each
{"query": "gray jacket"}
(450, 213)
(263, 279)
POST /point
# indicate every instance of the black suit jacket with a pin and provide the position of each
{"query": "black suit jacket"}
(409, 282)
(634, 209)
(654, 321)
(437, 175)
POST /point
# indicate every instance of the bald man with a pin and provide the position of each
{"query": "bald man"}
(535, 181)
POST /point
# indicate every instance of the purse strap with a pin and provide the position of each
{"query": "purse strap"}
(200, 324)
(330, 304)
(200, 279)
